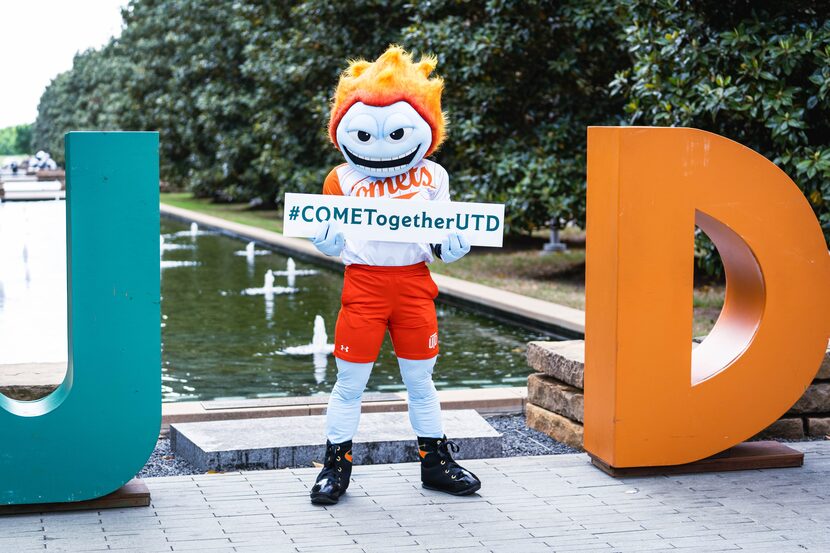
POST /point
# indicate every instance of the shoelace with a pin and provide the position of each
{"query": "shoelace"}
(451, 445)
(331, 467)
(452, 467)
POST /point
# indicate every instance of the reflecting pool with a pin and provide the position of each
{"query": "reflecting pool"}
(223, 336)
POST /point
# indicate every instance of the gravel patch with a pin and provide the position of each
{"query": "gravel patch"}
(164, 463)
(519, 440)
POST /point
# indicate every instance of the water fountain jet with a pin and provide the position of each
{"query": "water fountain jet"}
(268, 288)
(165, 246)
(292, 272)
(319, 349)
(250, 252)
(268, 284)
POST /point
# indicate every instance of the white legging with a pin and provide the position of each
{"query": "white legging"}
(343, 413)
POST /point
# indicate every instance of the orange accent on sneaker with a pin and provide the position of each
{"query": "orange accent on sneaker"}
(422, 453)
(348, 456)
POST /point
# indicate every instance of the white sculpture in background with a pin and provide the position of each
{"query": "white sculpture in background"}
(42, 161)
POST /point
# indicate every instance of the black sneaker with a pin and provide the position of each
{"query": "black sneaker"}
(333, 480)
(440, 472)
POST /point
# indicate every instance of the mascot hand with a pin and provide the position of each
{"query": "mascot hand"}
(454, 247)
(329, 242)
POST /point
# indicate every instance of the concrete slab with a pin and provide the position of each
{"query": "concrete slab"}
(488, 401)
(32, 374)
(285, 442)
(33, 195)
(30, 381)
(286, 401)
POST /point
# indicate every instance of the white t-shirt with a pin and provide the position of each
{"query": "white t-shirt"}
(426, 181)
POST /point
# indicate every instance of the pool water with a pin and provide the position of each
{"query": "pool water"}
(218, 342)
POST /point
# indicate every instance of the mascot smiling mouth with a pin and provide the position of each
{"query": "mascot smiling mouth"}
(382, 163)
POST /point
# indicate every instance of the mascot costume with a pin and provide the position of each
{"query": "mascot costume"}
(385, 119)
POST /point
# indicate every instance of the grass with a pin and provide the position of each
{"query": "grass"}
(556, 277)
(707, 302)
(518, 267)
(267, 219)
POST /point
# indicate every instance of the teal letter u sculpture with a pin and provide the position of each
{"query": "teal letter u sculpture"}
(96, 431)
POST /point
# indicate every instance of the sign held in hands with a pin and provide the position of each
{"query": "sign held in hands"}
(394, 220)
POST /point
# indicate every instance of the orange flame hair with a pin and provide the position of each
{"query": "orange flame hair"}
(393, 77)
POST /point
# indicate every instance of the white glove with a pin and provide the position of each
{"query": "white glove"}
(454, 247)
(329, 242)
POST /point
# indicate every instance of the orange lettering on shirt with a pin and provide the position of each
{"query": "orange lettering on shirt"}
(395, 187)
(369, 189)
(427, 178)
(401, 181)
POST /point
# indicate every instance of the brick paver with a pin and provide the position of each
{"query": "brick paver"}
(527, 504)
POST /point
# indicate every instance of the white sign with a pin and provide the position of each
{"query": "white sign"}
(394, 220)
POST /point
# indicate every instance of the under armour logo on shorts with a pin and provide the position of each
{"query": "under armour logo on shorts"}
(344, 348)
(433, 341)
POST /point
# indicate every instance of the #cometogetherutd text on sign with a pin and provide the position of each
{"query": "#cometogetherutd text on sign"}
(394, 220)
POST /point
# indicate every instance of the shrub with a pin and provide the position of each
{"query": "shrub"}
(16, 140)
(758, 73)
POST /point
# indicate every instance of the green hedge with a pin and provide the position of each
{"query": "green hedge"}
(239, 92)
(760, 77)
(16, 140)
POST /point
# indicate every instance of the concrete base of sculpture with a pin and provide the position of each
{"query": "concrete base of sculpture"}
(745, 456)
(132, 494)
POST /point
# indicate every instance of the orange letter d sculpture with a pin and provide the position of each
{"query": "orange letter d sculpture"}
(650, 399)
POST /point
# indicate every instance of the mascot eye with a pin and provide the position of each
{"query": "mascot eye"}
(398, 135)
(362, 137)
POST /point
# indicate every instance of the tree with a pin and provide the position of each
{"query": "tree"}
(8, 140)
(90, 96)
(16, 140)
(523, 81)
(758, 73)
(295, 55)
(240, 90)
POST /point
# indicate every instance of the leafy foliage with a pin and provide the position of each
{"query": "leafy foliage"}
(523, 80)
(16, 140)
(759, 74)
(90, 96)
(240, 91)
(294, 56)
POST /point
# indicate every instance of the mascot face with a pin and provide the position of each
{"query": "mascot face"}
(383, 141)
(386, 115)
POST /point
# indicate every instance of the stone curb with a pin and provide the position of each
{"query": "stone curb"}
(487, 401)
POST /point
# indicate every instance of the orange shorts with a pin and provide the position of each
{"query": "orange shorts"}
(401, 299)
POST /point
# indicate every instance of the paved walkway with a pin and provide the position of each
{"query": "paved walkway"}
(552, 503)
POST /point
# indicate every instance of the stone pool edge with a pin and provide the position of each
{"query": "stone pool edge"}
(561, 321)
(487, 401)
